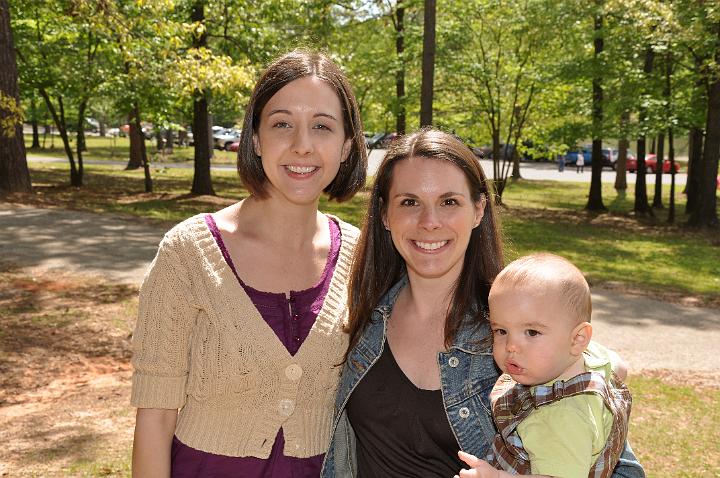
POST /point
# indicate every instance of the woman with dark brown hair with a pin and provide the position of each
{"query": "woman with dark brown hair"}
(417, 376)
(241, 313)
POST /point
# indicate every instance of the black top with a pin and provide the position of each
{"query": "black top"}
(402, 431)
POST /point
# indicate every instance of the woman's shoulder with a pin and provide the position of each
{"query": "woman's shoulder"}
(187, 229)
(347, 230)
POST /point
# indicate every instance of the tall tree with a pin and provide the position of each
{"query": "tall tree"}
(14, 174)
(202, 181)
(595, 202)
(641, 205)
(705, 213)
(428, 64)
(399, 24)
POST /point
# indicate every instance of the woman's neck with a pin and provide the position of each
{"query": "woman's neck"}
(292, 224)
(429, 298)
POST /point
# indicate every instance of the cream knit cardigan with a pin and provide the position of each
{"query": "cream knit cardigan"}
(201, 346)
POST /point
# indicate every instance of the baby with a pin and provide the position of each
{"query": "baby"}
(559, 407)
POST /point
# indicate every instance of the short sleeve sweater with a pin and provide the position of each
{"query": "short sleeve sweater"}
(200, 345)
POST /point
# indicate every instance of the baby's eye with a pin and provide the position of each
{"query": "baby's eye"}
(532, 333)
(408, 202)
(499, 331)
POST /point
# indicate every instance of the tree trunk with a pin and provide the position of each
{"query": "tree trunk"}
(137, 142)
(202, 181)
(80, 144)
(660, 157)
(695, 153)
(705, 214)
(401, 118)
(58, 116)
(621, 163)
(428, 64)
(169, 140)
(671, 158)
(14, 174)
(641, 205)
(595, 201)
(142, 150)
(34, 122)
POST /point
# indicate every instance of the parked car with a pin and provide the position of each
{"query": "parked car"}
(113, 132)
(650, 164)
(223, 139)
(380, 140)
(486, 151)
(609, 157)
(233, 147)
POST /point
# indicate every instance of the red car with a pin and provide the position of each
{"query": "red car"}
(650, 164)
(233, 146)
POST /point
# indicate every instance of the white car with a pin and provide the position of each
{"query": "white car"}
(223, 139)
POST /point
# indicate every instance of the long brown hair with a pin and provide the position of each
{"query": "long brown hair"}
(377, 264)
(290, 67)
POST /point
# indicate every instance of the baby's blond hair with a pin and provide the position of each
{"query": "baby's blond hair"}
(550, 273)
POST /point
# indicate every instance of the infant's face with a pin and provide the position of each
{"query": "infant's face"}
(532, 334)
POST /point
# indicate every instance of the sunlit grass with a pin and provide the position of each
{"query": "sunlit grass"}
(675, 429)
(542, 215)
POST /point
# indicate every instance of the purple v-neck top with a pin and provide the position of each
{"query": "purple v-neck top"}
(291, 317)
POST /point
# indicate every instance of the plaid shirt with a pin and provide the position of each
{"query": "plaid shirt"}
(512, 403)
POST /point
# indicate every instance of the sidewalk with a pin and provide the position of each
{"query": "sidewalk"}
(648, 333)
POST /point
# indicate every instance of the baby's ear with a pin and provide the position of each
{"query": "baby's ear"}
(581, 336)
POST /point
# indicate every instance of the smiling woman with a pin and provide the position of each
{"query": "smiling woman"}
(241, 314)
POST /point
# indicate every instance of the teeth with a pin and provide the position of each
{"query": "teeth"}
(301, 169)
(430, 246)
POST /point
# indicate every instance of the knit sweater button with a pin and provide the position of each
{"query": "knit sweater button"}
(286, 407)
(293, 372)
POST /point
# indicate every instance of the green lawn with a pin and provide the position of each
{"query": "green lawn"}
(118, 149)
(540, 215)
(675, 429)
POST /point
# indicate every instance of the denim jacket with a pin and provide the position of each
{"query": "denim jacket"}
(467, 375)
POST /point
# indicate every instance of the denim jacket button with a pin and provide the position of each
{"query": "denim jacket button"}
(453, 362)
(464, 412)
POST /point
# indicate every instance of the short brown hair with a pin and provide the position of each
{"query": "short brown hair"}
(378, 265)
(553, 274)
(290, 67)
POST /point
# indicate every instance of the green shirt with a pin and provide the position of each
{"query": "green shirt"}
(565, 438)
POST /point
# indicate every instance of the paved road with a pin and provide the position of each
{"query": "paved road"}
(646, 332)
(546, 171)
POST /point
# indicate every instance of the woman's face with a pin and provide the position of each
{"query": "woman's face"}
(430, 214)
(301, 140)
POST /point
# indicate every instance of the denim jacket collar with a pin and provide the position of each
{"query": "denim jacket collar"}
(467, 337)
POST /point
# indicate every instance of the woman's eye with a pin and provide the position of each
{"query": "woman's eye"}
(281, 124)
(408, 202)
(450, 202)
(532, 333)
(323, 127)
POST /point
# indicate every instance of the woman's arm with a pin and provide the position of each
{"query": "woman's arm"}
(154, 430)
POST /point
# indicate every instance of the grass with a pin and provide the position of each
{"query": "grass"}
(675, 429)
(642, 253)
(118, 149)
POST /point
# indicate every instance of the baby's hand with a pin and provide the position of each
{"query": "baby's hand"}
(480, 468)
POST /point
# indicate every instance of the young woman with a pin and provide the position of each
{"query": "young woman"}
(419, 370)
(241, 312)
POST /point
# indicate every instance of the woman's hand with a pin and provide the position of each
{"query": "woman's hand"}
(480, 468)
